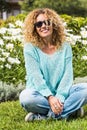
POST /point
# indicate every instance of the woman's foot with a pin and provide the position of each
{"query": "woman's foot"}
(31, 117)
(77, 113)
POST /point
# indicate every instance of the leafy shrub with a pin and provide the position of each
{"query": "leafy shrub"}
(76, 31)
(10, 92)
(1, 22)
(13, 19)
(11, 53)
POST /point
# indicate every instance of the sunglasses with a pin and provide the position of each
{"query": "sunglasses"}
(40, 23)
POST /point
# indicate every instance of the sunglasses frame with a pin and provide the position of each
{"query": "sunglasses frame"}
(40, 23)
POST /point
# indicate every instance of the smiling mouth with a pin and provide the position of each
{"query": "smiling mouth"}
(45, 30)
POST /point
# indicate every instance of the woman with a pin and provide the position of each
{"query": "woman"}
(49, 92)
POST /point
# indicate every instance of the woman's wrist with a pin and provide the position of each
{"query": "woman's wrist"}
(49, 97)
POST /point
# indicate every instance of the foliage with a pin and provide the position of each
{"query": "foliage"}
(12, 19)
(1, 22)
(70, 7)
(11, 52)
(12, 118)
(10, 92)
(83, 3)
(4, 6)
(77, 32)
(26, 4)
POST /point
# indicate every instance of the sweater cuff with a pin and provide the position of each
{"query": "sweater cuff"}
(61, 98)
(45, 93)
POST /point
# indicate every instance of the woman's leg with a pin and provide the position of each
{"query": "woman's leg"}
(33, 101)
(77, 98)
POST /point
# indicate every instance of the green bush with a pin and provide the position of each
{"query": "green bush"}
(77, 36)
(10, 92)
(1, 22)
(11, 52)
(13, 19)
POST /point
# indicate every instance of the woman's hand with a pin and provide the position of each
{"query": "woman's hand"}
(55, 104)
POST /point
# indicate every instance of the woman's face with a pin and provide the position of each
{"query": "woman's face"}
(43, 26)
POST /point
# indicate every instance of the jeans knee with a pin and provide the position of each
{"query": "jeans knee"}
(26, 97)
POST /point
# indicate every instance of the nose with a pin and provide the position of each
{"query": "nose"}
(43, 24)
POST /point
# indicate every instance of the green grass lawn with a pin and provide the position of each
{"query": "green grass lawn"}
(12, 118)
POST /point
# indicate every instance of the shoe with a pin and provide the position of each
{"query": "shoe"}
(77, 113)
(31, 116)
(80, 112)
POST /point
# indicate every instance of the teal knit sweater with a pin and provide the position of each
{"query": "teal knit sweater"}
(49, 74)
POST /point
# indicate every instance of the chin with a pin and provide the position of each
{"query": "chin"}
(45, 35)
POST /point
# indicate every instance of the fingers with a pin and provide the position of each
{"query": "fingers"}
(57, 108)
(56, 105)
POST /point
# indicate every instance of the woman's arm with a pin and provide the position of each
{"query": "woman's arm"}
(67, 78)
(34, 77)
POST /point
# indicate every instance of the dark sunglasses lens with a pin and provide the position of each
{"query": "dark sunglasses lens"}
(38, 24)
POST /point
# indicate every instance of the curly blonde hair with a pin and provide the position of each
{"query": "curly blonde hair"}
(29, 31)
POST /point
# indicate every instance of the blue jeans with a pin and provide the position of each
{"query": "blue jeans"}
(32, 101)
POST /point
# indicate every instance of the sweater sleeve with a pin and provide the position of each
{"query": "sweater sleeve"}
(34, 77)
(67, 78)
